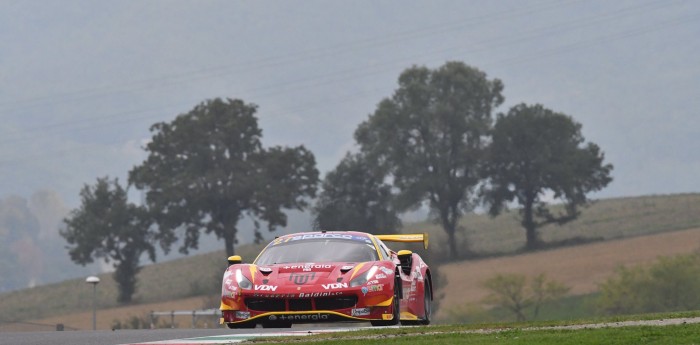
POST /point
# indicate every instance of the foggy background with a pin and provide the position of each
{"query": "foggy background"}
(81, 82)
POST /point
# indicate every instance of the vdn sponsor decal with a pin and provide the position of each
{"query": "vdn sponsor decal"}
(265, 288)
(301, 278)
(335, 286)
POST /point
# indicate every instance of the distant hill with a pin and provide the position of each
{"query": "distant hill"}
(199, 275)
(604, 219)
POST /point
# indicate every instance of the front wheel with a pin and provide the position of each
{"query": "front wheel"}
(427, 308)
(396, 308)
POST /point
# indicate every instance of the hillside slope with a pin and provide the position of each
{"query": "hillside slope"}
(581, 267)
(605, 219)
(480, 235)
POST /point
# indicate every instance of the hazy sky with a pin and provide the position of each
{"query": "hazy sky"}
(82, 81)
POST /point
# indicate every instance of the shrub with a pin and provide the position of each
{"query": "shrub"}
(134, 322)
(670, 284)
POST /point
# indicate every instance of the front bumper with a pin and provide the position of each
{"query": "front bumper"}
(256, 309)
(230, 316)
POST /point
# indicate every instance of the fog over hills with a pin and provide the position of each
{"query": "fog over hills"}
(82, 81)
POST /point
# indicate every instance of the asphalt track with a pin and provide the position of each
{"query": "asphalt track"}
(161, 336)
(226, 336)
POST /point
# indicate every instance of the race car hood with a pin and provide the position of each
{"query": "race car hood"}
(294, 275)
(302, 274)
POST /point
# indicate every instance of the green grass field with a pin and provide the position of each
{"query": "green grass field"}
(602, 331)
(679, 334)
(607, 330)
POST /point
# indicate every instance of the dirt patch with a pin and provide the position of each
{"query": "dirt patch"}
(582, 267)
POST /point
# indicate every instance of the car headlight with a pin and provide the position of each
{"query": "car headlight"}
(242, 281)
(363, 278)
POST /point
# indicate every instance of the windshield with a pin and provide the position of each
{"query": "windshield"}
(318, 250)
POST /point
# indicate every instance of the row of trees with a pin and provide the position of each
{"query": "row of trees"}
(434, 139)
(433, 143)
(205, 171)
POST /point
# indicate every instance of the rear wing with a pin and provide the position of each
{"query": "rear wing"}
(405, 238)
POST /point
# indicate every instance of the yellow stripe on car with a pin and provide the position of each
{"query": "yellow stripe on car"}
(253, 268)
(408, 316)
(385, 303)
(357, 269)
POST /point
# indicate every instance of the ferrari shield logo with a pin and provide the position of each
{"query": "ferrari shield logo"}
(301, 278)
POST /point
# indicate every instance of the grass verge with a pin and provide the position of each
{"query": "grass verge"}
(569, 332)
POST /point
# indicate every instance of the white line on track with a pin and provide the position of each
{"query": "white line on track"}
(237, 338)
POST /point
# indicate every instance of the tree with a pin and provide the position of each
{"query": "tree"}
(510, 291)
(535, 151)
(544, 290)
(431, 136)
(108, 227)
(207, 170)
(355, 197)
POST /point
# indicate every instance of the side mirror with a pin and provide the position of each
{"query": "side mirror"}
(235, 259)
(406, 258)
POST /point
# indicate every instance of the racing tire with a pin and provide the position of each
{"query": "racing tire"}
(427, 303)
(427, 308)
(396, 308)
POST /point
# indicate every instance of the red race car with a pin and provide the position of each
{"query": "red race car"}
(324, 276)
